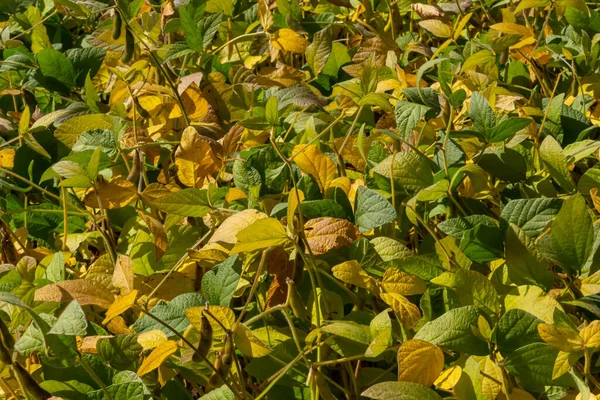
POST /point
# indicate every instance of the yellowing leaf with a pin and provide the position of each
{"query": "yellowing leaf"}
(419, 362)
(248, 344)
(226, 233)
(437, 27)
(83, 290)
(509, 28)
(196, 158)
(396, 281)
(260, 234)
(7, 158)
(69, 131)
(350, 272)
(288, 40)
(223, 314)
(121, 304)
(117, 193)
(157, 357)
(325, 233)
(123, 274)
(461, 25)
(564, 339)
(448, 378)
(316, 164)
(151, 339)
(591, 335)
(407, 312)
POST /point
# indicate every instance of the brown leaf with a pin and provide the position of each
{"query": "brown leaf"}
(83, 290)
(325, 233)
(428, 11)
(282, 76)
(231, 140)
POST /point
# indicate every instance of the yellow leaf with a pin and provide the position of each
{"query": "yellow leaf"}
(117, 193)
(223, 314)
(316, 164)
(288, 40)
(151, 339)
(259, 235)
(7, 158)
(325, 233)
(196, 158)
(121, 304)
(491, 378)
(235, 194)
(88, 344)
(193, 101)
(83, 290)
(461, 25)
(564, 339)
(437, 27)
(157, 357)
(350, 272)
(407, 312)
(419, 362)
(448, 378)
(591, 284)
(564, 362)
(295, 197)
(24, 121)
(591, 335)
(396, 281)
(248, 344)
(227, 232)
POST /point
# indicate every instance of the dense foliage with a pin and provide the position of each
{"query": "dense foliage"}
(224, 199)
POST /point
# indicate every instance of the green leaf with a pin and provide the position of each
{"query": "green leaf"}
(68, 389)
(189, 15)
(209, 26)
(130, 8)
(72, 321)
(221, 393)
(55, 267)
(455, 330)
(552, 155)
(517, 328)
(245, 175)
(322, 208)
(259, 235)
(408, 116)
(533, 365)
(457, 226)
(120, 351)
(504, 163)
(524, 262)
(56, 66)
(219, 284)
(410, 171)
(172, 313)
(481, 113)
(572, 234)
(400, 391)
(482, 243)
(317, 53)
(121, 391)
(190, 202)
(372, 210)
(507, 128)
(471, 288)
(531, 215)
